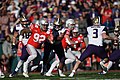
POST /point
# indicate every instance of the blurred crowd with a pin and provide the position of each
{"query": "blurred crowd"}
(82, 11)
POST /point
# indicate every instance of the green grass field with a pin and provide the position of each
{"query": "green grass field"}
(82, 75)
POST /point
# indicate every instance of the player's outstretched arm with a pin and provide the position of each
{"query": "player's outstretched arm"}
(105, 36)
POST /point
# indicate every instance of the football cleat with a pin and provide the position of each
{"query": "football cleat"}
(72, 73)
(103, 67)
(2, 76)
(12, 74)
(49, 74)
(60, 73)
(25, 74)
(102, 72)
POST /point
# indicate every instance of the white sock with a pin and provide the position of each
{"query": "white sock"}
(109, 65)
(41, 62)
(60, 71)
(19, 65)
(34, 67)
(73, 71)
(1, 73)
(55, 63)
(67, 61)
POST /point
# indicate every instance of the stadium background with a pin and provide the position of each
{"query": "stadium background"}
(82, 11)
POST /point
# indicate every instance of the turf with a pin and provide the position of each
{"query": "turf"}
(82, 75)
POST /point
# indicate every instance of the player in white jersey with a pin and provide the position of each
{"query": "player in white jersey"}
(24, 34)
(96, 34)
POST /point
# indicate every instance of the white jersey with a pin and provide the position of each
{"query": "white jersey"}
(95, 35)
(25, 36)
(19, 28)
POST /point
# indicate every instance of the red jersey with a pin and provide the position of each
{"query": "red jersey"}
(64, 42)
(80, 44)
(37, 36)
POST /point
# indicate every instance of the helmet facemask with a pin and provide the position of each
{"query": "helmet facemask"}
(75, 32)
(71, 26)
(57, 24)
(43, 25)
(70, 23)
(24, 22)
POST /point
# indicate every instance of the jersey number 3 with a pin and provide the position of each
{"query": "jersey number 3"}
(95, 33)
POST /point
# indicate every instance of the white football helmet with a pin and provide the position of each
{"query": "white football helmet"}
(43, 24)
(70, 23)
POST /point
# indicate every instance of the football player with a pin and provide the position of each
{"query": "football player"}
(77, 48)
(65, 41)
(36, 40)
(96, 34)
(56, 45)
(24, 33)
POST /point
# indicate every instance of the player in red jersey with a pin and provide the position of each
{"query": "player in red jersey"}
(70, 55)
(79, 45)
(37, 38)
(78, 39)
(66, 38)
(56, 45)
